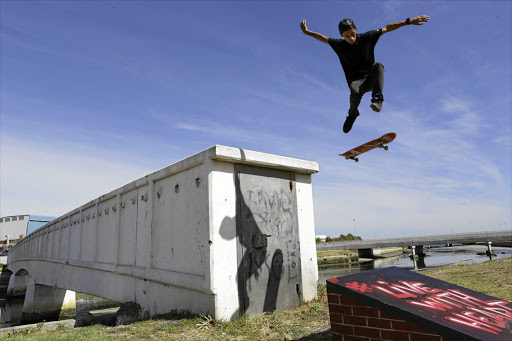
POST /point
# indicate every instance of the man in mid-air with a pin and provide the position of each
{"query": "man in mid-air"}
(355, 52)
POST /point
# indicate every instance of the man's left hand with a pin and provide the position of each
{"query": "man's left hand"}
(420, 20)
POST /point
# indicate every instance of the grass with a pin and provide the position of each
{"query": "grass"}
(493, 278)
(308, 321)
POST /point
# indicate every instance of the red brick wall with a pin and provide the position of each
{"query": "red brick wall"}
(352, 320)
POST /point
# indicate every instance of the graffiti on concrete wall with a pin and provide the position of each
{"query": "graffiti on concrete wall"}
(268, 274)
(272, 210)
(273, 213)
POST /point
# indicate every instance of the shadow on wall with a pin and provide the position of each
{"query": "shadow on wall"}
(251, 264)
(274, 278)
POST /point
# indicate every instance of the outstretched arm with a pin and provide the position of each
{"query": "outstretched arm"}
(419, 20)
(317, 36)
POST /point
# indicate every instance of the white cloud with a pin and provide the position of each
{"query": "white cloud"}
(187, 126)
(392, 211)
(391, 8)
(224, 133)
(505, 141)
(465, 120)
(43, 179)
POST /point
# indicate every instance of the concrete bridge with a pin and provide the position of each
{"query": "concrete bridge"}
(364, 247)
(224, 232)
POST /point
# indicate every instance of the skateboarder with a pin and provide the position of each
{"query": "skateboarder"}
(355, 52)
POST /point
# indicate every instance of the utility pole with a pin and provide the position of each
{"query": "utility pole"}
(355, 233)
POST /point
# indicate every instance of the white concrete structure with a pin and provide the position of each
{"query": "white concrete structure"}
(18, 284)
(44, 302)
(224, 232)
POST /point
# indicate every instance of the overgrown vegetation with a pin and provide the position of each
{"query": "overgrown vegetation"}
(341, 238)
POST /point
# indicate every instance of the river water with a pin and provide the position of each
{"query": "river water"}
(434, 258)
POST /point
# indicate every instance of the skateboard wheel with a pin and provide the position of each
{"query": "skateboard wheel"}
(357, 160)
(386, 147)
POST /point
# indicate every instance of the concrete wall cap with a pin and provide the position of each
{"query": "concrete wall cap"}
(238, 155)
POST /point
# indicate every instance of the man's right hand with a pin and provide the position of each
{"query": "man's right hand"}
(317, 36)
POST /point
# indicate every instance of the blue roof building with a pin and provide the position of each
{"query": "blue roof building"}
(16, 227)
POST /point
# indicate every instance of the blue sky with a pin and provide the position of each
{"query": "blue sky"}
(95, 94)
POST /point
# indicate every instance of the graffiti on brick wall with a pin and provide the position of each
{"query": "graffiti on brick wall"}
(455, 306)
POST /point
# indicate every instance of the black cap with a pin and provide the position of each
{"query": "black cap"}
(345, 25)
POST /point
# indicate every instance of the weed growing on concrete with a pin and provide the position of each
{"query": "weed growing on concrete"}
(207, 323)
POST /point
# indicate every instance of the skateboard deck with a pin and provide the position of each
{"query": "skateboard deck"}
(352, 154)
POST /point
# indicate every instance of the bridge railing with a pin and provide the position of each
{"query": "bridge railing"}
(467, 237)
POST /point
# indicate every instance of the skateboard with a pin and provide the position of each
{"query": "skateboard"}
(377, 143)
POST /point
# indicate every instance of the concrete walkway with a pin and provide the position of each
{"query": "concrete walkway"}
(45, 326)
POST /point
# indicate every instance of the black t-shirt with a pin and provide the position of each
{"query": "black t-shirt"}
(356, 59)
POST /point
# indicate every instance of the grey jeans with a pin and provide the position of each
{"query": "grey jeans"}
(374, 82)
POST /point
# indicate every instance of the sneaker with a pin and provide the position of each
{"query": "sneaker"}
(349, 122)
(376, 106)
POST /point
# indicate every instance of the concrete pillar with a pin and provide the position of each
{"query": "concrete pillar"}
(43, 302)
(18, 285)
(415, 262)
(489, 251)
(419, 251)
(5, 276)
(128, 313)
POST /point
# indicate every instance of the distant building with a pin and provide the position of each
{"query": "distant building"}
(15, 228)
(321, 238)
